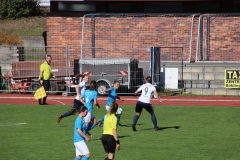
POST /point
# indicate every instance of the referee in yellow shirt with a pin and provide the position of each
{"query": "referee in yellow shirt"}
(109, 138)
(45, 76)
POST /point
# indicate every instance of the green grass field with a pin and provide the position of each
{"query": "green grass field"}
(206, 133)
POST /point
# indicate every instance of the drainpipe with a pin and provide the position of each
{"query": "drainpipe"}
(198, 36)
(191, 35)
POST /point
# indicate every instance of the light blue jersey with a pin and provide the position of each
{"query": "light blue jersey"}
(112, 96)
(79, 124)
(89, 96)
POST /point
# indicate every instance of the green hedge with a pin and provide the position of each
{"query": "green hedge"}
(13, 9)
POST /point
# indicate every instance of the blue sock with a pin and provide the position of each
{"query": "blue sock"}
(118, 118)
(85, 158)
(135, 119)
(90, 126)
(77, 158)
(69, 113)
(154, 120)
(102, 119)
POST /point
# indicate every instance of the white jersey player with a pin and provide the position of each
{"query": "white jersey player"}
(144, 102)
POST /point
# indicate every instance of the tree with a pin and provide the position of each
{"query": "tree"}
(13, 9)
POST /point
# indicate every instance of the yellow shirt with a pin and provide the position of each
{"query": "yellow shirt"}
(110, 123)
(47, 70)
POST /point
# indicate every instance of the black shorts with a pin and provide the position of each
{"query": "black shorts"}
(141, 105)
(77, 104)
(46, 85)
(109, 143)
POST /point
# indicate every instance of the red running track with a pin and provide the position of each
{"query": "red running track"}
(129, 100)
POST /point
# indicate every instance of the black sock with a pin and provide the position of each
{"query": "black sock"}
(154, 120)
(39, 101)
(135, 119)
(44, 99)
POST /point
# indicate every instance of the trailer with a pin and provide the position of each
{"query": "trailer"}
(106, 70)
(24, 76)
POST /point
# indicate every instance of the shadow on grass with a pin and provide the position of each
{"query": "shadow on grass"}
(163, 128)
(118, 137)
(129, 125)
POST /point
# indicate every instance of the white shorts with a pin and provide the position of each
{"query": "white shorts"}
(88, 117)
(107, 107)
(81, 148)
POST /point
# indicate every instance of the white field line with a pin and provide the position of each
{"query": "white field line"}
(13, 124)
(58, 102)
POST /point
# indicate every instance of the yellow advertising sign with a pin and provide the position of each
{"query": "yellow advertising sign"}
(232, 78)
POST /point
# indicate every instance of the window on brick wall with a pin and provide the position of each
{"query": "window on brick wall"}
(208, 7)
(163, 7)
(236, 6)
(77, 6)
(119, 7)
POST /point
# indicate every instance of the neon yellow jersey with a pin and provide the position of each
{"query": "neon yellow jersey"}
(47, 70)
(110, 123)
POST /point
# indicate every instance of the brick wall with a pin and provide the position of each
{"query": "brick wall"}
(144, 32)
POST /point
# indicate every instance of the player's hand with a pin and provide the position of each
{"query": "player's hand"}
(118, 146)
(41, 82)
(98, 106)
(87, 139)
(90, 136)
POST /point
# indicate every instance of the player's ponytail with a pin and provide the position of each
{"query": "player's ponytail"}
(113, 108)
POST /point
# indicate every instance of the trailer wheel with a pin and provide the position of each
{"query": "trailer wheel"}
(101, 87)
(34, 86)
(54, 88)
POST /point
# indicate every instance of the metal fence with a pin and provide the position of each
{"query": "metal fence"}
(218, 38)
(20, 69)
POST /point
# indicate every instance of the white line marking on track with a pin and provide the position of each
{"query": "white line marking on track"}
(12, 124)
(59, 102)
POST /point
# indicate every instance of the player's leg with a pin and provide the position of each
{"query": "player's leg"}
(138, 110)
(93, 122)
(82, 149)
(150, 110)
(118, 115)
(109, 145)
(100, 121)
(46, 85)
(73, 111)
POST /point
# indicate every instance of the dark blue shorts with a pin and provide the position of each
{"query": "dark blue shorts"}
(77, 104)
(141, 105)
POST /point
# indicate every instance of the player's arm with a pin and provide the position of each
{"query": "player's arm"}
(80, 132)
(96, 103)
(138, 90)
(156, 96)
(107, 90)
(116, 138)
(41, 74)
(77, 89)
(120, 98)
(81, 99)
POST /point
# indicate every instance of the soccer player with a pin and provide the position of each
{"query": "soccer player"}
(109, 137)
(90, 98)
(80, 129)
(144, 102)
(80, 88)
(112, 96)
